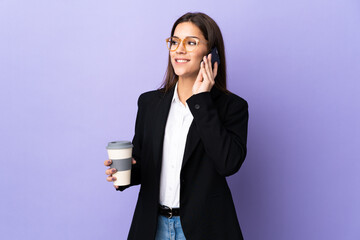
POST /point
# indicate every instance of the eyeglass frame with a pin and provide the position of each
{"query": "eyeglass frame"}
(183, 43)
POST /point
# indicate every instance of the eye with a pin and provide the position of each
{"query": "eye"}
(173, 42)
(191, 43)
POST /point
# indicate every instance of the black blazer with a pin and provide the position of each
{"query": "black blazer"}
(215, 148)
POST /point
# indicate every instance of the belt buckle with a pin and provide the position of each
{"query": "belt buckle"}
(170, 214)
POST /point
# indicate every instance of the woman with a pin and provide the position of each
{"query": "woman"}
(189, 136)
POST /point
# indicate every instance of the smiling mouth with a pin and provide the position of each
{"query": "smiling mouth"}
(181, 60)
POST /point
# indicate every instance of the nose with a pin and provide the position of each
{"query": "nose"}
(181, 48)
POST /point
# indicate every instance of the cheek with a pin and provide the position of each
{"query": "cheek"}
(200, 55)
(172, 60)
(197, 59)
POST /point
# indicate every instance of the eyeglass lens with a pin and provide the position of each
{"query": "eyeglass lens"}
(190, 43)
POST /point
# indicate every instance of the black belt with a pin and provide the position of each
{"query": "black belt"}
(168, 212)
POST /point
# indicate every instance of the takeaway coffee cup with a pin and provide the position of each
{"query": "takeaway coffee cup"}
(120, 152)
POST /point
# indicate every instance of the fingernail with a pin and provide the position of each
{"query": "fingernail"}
(114, 170)
(113, 178)
(109, 161)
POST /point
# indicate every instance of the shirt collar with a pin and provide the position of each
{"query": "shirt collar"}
(176, 99)
(176, 96)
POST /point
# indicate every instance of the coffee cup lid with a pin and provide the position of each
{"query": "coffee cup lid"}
(119, 145)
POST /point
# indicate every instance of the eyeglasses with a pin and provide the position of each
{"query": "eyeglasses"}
(189, 43)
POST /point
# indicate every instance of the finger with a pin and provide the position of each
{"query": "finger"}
(110, 171)
(107, 162)
(133, 161)
(111, 179)
(200, 77)
(215, 70)
(209, 61)
(206, 61)
(117, 187)
(209, 70)
(198, 80)
(205, 70)
(209, 66)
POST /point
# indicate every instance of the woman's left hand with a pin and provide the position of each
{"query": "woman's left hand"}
(205, 80)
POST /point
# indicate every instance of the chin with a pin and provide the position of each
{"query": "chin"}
(183, 73)
(180, 73)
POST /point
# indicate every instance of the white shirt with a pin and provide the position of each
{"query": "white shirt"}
(176, 130)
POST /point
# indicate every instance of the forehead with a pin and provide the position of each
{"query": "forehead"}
(186, 29)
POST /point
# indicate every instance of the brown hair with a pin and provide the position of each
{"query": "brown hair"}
(212, 34)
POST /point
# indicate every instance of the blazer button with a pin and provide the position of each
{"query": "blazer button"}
(197, 106)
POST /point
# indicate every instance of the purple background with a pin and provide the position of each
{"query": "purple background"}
(71, 73)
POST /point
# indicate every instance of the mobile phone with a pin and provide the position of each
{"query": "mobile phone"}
(214, 56)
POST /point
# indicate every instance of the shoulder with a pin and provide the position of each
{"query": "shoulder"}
(149, 96)
(237, 99)
(233, 108)
(229, 99)
(236, 106)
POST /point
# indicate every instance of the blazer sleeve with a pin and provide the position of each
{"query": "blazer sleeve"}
(137, 145)
(224, 141)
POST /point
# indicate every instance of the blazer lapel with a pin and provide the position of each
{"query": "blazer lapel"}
(192, 141)
(161, 112)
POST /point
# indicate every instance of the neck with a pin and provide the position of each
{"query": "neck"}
(185, 86)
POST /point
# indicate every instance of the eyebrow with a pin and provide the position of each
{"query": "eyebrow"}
(188, 36)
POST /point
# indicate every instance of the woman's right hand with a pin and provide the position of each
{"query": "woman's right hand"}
(111, 171)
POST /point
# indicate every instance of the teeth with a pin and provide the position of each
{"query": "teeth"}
(182, 60)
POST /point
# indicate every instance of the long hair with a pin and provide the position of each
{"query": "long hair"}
(212, 34)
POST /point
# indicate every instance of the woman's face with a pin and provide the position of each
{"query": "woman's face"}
(191, 67)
